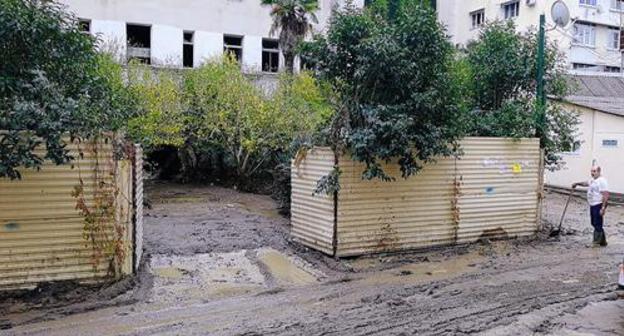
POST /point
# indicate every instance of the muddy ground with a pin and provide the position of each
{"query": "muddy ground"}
(219, 262)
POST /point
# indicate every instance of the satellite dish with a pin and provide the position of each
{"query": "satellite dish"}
(560, 13)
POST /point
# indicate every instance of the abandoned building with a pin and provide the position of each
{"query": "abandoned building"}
(185, 33)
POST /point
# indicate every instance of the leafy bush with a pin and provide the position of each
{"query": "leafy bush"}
(501, 65)
(161, 117)
(397, 98)
(216, 117)
(52, 83)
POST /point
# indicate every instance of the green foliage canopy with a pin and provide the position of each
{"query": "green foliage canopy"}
(293, 19)
(216, 107)
(397, 97)
(52, 83)
(501, 69)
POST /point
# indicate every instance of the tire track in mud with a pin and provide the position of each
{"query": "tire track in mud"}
(462, 306)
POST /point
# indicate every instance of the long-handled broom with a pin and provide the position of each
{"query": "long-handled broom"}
(557, 231)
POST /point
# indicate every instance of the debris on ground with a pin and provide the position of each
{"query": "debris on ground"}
(221, 262)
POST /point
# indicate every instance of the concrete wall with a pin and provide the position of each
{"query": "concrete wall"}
(595, 127)
(208, 19)
(455, 14)
(166, 45)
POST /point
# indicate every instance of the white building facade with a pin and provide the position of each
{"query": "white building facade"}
(185, 33)
(599, 101)
(591, 42)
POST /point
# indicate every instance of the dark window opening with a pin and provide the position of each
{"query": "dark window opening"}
(584, 67)
(571, 147)
(511, 9)
(187, 50)
(84, 25)
(139, 39)
(233, 45)
(305, 64)
(270, 55)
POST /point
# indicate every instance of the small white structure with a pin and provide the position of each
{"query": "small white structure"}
(590, 41)
(187, 32)
(599, 99)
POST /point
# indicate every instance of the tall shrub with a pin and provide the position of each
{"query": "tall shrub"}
(52, 83)
(502, 69)
(394, 77)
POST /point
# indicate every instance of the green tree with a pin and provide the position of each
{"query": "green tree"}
(52, 83)
(250, 128)
(161, 115)
(394, 78)
(293, 19)
(502, 67)
(215, 113)
(391, 8)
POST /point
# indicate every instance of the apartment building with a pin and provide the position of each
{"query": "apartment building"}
(184, 33)
(591, 42)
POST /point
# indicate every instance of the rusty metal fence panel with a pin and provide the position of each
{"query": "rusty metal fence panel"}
(42, 234)
(499, 186)
(312, 215)
(491, 191)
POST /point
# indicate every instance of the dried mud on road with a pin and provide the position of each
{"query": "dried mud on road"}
(220, 262)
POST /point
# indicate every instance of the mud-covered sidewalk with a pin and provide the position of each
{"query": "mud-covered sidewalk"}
(219, 262)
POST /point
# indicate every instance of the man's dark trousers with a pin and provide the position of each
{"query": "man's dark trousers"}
(596, 222)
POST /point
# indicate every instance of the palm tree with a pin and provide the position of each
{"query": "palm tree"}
(294, 20)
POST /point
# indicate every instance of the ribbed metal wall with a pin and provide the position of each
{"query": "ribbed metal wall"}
(138, 206)
(499, 184)
(490, 192)
(376, 216)
(41, 232)
(312, 215)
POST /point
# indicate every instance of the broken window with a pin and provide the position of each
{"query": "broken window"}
(187, 50)
(478, 18)
(139, 42)
(233, 45)
(84, 25)
(270, 55)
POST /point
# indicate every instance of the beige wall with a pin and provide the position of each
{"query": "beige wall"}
(595, 127)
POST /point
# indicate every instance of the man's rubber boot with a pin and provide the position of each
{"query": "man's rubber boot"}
(603, 239)
(621, 278)
(596, 241)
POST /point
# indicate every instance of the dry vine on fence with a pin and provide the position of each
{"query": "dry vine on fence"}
(96, 200)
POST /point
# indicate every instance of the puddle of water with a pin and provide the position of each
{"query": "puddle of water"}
(271, 213)
(284, 269)
(181, 199)
(168, 272)
(204, 276)
(425, 271)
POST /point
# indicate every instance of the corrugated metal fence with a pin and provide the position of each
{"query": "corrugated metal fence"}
(490, 191)
(43, 235)
(138, 205)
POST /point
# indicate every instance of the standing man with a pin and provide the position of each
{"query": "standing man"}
(597, 197)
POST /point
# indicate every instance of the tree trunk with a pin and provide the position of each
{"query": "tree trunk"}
(289, 62)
